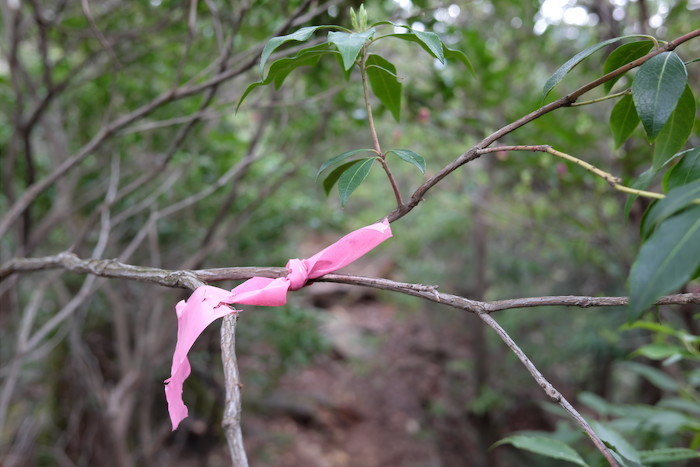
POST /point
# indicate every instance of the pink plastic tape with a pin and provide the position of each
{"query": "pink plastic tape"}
(207, 303)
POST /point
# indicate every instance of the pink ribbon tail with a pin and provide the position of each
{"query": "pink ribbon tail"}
(208, 303)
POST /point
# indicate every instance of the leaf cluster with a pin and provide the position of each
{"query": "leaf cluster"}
(349, 48)
(661, 99)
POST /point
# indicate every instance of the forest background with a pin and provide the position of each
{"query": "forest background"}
(141, 97)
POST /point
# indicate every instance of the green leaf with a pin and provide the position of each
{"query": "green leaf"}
(335, 174)
(350, 44)
(301, 35)
(353, 178)
(385, 84)
(440, 53)
(623, 120)
(657, 87)
(614, 440)
(642, 183)
(247, 91)
(656, 377)
(280, 69)
(651, 326)
(430, 41)
(433, 43)
(676, 200)
(657, 351)
(666, 261)
(595, 402)
(410, 157)
(385, 22)
(666, 455)
(412, 37)
(339, 158)
(575, 60)
(543, 446)
(452, 54)
(687, 170)
(675, 133)
(622, 56)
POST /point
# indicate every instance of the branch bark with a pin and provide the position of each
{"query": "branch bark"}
(191, 279)
(548, 388)
(232, 411)
(474, 153)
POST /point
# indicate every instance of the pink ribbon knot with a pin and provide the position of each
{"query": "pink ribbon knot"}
(208, 303)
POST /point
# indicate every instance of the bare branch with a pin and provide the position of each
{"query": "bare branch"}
(232, 411)
(191, 279)
(548, 388)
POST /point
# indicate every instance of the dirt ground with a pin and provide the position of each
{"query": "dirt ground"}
(395, 391)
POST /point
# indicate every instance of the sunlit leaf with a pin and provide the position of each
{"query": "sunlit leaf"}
(686, 171)
(676, 200)
(623, 55)
(666, 261)
(623, 120)
(543, 446)
(385, 83)
(350, 44)
(656, 89)
(339, 158)
(575, 60)
(353, 177)
(410, 157)
(675, 133)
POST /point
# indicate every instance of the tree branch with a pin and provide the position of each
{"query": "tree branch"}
(564, 101)
(191, 279)
(548, 388)
(232, 411)
(108, 130)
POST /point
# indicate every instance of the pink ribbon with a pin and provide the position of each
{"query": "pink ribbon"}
(207, 303)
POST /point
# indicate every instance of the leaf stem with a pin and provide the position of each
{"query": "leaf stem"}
(614, 181)
(604, 98)
(373, 128)
(565, 101)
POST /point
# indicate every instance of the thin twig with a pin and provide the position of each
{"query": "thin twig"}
(548, 388)
(604, 98)
(373, 129)
(564, 101)
(108, 130)
(612, 180)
